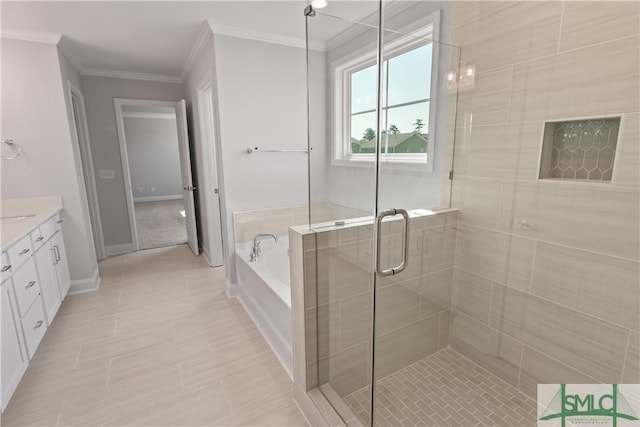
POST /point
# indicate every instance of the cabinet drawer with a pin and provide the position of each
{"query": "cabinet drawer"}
(34, 326)
(20, 251)
(5, 266)
(49, 227)
(37, 238)
(25, 283)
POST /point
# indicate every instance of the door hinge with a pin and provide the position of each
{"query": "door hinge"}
(451, 174)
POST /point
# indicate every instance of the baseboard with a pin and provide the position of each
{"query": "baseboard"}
(232, 290)
(269, 332)
(157, 198)
(85, 285)
(119, 249)
(205, 255)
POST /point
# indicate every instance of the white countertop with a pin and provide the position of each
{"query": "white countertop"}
(42, 207)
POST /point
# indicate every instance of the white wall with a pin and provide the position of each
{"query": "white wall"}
(154, 159)
(34, 114)
(204, 70)
(99, 93)
(262, 103)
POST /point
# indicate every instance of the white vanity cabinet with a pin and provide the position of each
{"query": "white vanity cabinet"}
(13, 356)
(35, 280)
(61, 264)
(45, 258)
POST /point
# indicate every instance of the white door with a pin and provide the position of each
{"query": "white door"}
(210, 193)
(187, 180)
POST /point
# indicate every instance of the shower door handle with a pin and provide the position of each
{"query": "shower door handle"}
(405, 246)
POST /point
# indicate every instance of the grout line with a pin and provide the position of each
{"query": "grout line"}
(75, 365)
(109, 372)
(226, 398)
(520, 365)
(184, 388)
(60, 413)
(561, 24)
(533, 265)
(626, 352)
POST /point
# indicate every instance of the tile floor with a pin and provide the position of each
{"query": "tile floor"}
(158, 345)
(445, 389)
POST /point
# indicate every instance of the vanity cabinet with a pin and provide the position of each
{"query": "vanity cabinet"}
(35, 280)
(13, 355)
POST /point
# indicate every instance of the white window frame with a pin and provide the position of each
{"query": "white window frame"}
(341, 72)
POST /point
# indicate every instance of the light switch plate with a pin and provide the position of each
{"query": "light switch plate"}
(107, 174)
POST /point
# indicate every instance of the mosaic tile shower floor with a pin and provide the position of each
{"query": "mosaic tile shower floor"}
(445, 389)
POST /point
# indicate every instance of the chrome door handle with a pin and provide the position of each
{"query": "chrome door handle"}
(24, 251)
(40, 239)
(30, 284)
(6, 268)
(56, 250)
(38, 324)
(405, 247)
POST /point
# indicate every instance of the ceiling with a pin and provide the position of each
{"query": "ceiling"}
(156, 37)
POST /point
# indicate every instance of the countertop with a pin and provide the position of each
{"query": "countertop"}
(42, 207)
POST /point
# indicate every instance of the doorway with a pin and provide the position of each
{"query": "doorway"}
(157, 171)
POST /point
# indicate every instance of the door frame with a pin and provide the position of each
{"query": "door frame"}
(212, 167)
(80, 134)
(126, 172)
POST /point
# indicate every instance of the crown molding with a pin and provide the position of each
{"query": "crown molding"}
(147, 115)
(64, 49)
(115, 74)
(32, 36)
(243, 33)
(203, 37)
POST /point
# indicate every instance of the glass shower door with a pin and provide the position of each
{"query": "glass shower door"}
(383, 243)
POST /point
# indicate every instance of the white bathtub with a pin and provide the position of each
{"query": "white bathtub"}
(265, 293)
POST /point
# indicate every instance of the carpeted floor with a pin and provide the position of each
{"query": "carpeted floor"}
(160, 224)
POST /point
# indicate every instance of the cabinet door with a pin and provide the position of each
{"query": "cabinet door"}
(45, 259)
(62, 266)
(14, 358)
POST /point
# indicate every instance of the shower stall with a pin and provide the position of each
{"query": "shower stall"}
(473, 212)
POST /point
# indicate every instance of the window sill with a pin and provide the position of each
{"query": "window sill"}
(418, 163)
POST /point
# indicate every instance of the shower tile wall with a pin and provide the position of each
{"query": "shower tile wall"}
(546, 278)
(413, 314)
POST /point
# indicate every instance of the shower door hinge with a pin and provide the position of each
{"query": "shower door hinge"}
(308, 11)
(450, 174)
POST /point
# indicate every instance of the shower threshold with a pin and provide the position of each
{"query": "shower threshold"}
(444, 389)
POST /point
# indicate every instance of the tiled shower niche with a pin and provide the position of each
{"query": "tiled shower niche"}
(580, 149)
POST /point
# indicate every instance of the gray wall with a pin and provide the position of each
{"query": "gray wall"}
(99, 93)
(154, 160)
(34, 114)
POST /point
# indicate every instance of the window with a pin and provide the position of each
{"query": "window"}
(406, 100)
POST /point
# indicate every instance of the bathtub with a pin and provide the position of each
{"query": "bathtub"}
(265, 293)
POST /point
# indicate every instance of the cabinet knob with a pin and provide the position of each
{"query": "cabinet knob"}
(30, 285)
(40, 239)
(38, 324)
(6, 268)
(25, 251)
